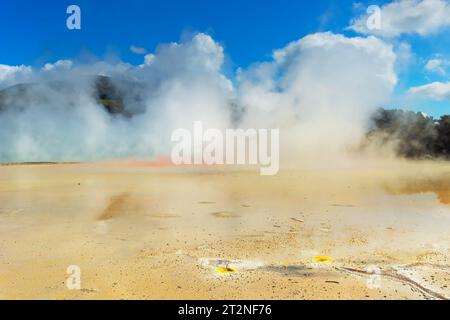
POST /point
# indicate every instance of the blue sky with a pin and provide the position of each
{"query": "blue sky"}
(34, 33)
(248, 29)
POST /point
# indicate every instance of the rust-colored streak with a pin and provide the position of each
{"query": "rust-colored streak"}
(118, 205)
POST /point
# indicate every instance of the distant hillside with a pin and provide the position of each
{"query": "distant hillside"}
(105, 91)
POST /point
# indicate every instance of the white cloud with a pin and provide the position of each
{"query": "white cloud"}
(138, 50)
(9, 74)
(436, 66)
(436, 91)
(421, 17)
(198, 57)
(60, 64)
(148, 59)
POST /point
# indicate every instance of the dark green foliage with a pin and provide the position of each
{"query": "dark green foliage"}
(443, 142)
(108, 95)
(414, 135)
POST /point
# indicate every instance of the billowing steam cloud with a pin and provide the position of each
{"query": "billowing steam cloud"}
(320, 91)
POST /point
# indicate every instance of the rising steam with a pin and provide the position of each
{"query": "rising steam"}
(320, 91)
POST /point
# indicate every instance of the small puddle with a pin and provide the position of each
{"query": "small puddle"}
(440, 186)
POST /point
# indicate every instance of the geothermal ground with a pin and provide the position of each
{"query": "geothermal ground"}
(379, 231)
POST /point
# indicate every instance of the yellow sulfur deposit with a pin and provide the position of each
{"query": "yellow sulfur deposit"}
(321, 259)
